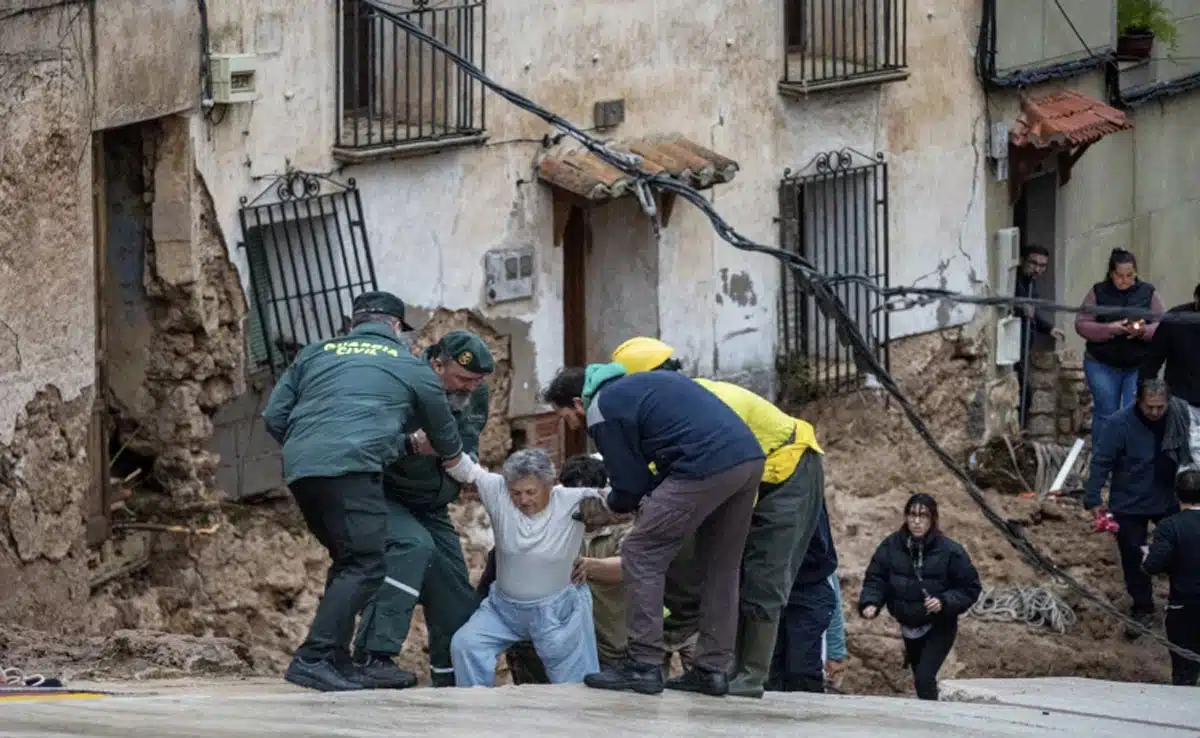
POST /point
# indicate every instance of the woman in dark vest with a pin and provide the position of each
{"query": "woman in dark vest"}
(1116, 346)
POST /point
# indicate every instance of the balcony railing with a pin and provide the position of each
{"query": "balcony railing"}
(398, 91)
(840, 43)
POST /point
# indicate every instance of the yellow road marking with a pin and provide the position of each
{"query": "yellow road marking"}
(44, 697)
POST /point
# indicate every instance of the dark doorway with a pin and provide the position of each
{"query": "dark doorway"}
(576, 244)
(1035, 214)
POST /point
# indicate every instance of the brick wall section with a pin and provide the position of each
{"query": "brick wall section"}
(543, 431)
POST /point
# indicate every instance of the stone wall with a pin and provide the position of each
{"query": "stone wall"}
(1061, 405)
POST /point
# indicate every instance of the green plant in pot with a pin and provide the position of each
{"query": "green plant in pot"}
(1139, 22)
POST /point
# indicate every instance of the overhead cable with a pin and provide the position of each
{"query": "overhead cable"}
(811, 281)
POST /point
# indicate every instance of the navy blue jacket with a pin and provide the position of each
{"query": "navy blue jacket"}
(666, 419)
(820, 560)
(1129, 450)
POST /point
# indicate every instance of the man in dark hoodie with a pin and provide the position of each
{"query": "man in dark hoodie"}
(707, 467)
(1034, 261)
(1178, 346)
(1130, 452)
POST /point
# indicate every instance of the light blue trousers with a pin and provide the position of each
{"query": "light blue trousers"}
(560, 626)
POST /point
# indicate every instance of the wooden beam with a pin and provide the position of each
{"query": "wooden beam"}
(563, 201)
(1066, 161)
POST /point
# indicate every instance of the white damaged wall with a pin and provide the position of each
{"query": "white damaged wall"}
(705, 70)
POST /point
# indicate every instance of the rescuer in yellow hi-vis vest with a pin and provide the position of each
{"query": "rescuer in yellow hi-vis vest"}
(790, 500)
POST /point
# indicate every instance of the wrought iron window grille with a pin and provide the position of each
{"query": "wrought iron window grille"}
(309, 256)
(840, 43)
(833, 212)
(396, 90)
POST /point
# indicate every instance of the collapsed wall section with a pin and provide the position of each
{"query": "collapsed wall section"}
(47, 311)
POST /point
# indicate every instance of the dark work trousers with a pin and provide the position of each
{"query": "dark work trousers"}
(1134, 533)
(423, 562)
(925, 655)
(348, 516)
(1026, 387)
(1183, 629)
(781, 528)
(797, 665)
(717, 512)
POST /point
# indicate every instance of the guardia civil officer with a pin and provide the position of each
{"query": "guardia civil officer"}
(423, 558)
(341, 412)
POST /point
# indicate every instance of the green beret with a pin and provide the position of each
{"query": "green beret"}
(467, 350)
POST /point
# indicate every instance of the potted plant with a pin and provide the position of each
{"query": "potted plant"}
(1139, 22)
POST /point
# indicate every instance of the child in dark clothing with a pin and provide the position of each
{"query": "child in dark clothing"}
(1176, 553)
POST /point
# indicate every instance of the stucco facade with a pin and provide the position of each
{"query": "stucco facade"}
(710, 74)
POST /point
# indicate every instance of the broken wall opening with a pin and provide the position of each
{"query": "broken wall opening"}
(170, 335)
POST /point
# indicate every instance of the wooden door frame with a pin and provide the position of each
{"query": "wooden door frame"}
(96, 509)
(576, 242)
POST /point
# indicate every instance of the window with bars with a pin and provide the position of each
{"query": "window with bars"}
(834, 213)
(309, 258)
(400, 91)
(839, 43)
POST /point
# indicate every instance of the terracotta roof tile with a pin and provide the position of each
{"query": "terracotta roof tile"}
(1065, 118)
(579, 171)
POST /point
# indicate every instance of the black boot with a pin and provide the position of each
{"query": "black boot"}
(378, 671)
(322, 675)
(442, 678)
(701, 680)
(629, 675)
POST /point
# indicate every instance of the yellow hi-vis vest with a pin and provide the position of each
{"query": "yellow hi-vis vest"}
(784, 439)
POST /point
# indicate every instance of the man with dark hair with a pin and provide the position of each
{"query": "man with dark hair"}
(1130, 452)
(1034, 260)
(1176, 553)
(340, 411)
(1178, 346)
(422, 555)
(708, 465)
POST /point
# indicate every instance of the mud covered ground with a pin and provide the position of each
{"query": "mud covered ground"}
(239, 601)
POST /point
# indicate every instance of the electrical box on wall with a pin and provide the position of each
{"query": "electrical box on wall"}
(509, 274)
(608, 113)
(233, 78)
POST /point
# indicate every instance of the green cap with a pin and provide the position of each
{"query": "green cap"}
(467, 350)
(384, 303)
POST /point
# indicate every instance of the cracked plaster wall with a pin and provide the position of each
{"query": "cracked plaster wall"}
(431, 219)
(50, 103)
(47, 315)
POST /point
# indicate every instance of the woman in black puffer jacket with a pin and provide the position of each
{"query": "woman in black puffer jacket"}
(926, 581)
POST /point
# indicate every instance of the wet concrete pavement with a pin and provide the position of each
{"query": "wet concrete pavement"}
(272, 708)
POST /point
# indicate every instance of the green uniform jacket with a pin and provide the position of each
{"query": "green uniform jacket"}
(418, 482)
(343, 404)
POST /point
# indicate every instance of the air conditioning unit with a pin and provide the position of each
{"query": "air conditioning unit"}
(233, 78)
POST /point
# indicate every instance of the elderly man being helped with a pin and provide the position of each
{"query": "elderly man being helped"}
(533, 597)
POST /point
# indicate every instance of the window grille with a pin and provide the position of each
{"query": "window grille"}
(835, 214)
(309, 258)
